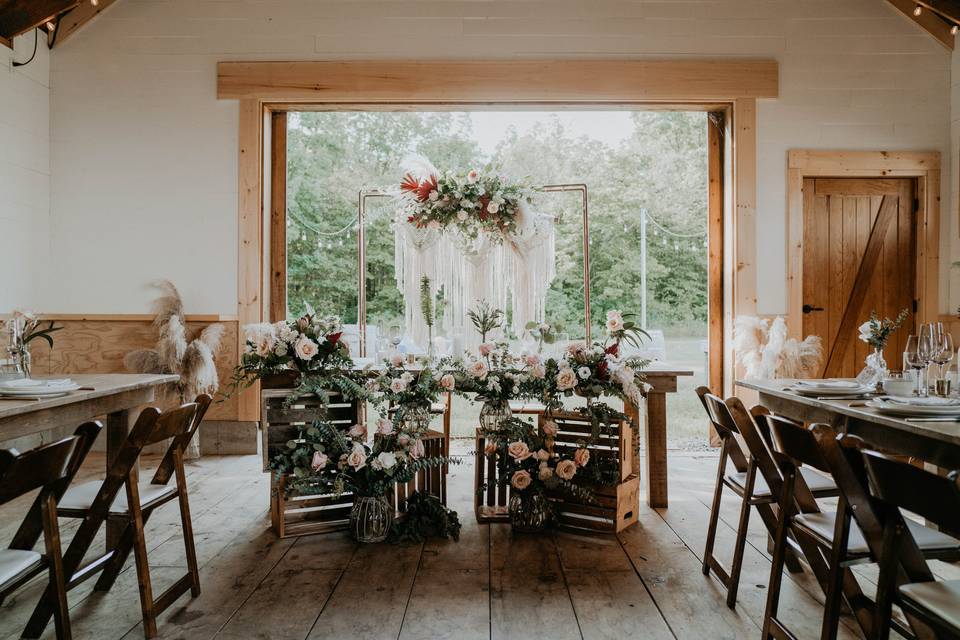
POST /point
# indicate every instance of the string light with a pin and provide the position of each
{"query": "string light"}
(954, 29)
(50, 25)
(917, 10)
(95, 3)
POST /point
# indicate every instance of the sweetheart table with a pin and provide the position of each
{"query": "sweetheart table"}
(935, 442)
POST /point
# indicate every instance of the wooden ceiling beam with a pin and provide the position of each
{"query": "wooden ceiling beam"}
(948, 8)
(927, 20)
(20, 16)
(71, 22)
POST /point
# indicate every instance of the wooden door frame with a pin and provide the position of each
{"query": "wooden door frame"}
(729, 86)
(924, 166)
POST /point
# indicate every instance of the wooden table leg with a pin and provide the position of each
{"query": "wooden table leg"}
(655, 470)
(118, 427)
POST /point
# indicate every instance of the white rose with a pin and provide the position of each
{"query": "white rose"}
(433, 196)
(538, 371)
(478, 369)
(305, 348)
(281, 349)
(397, 385)
(384, 427)
(493, 207)
(583, 372)
(462, 215)
(865, 332)
(614, 321)
(407, 377)
(387, 459)
(357, 458)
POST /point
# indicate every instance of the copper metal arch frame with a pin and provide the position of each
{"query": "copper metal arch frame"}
(364, 194)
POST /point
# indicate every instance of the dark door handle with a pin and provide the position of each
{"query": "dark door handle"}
(808, 308)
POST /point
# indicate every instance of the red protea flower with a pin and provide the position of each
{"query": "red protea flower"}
(613, 350)
(602, 370)
(484, 201)
(334, 338)
(409, 184)
(425, 187)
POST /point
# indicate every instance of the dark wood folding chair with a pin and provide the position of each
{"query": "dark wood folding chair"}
(752, 490)
(43, 468)
(830, 540)
(843, 454)
(932, 607)
(98, 501)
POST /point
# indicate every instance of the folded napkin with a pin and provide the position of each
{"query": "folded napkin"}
(922, 402)
(30, 383)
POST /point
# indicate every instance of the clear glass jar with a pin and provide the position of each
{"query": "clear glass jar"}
(371, 519)
(495, 414)
(415, 418)
(529, 511)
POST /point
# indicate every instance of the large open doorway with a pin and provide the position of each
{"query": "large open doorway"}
(654, 179)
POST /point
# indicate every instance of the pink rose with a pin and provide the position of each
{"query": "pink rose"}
(538, 371)
(581, 457)
(448, 382)
(357, 458)
(490, 448)
(543, 455)
(566, 469)
(319, 461)
(576, 348)
(478, 369)
(519, 451)
(485, 349)
(550, 428)
(532, 359)
(521, 480)
(305, 348)
(265, 345)
(417, 450)
(545, 472)
(472, 176)
(396, 360)
(398, 385)
(358, 431)
(566, 379)
(384, 427)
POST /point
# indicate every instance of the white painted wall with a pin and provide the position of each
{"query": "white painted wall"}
(144, 156)
(24, 174)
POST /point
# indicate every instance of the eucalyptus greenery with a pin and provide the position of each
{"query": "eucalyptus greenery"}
(425, 517)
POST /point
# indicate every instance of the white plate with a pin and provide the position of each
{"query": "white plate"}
(816, 392)
(38, 391)
(899, 409)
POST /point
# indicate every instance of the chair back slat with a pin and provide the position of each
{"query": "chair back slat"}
(930, 496)
(172, 423)
(756, 443)
(795, 441)
(167, 466)
(21, 473)
(717, 413)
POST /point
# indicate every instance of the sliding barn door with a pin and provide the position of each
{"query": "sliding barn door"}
(858, 256)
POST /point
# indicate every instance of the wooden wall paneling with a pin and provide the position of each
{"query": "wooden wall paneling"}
(278, 216)
(250, 267)
(745, 147)
(715, 209)
(99, 346)
(928, 194)
(506, 81)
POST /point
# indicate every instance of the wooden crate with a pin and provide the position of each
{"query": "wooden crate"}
(302, 515)
(432, 481)
(490, 500)
(617, 504)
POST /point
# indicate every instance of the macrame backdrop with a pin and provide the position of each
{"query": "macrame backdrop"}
(521, 269)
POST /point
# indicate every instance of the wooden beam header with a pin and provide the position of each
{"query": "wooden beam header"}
(507, 81)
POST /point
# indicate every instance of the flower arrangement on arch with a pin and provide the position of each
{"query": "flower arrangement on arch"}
(471, 203)
(325, 459)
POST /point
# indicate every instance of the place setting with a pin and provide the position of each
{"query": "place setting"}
(32, 389)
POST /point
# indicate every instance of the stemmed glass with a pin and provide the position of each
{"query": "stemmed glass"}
(917, 356)
(943, 352)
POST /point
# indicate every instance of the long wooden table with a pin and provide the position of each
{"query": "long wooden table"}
(114, 395)
(934, 442)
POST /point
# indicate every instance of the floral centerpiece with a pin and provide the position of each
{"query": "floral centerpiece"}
(471, 203)
(325, 459)
(24, 327)
(876, 332)
(410, 391)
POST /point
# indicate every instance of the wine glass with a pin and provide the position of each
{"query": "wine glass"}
(913, 356)
(944, 352)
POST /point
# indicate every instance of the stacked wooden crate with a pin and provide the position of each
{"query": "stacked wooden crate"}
(293, 515)
(617, 504)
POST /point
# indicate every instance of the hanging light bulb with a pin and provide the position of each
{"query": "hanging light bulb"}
(917, 10)
(50, 25)
(954, 29)
(95, 3)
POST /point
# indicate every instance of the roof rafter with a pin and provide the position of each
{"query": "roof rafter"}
(20, 16)
(930, 19)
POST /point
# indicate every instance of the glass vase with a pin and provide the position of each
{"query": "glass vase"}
(875, 370)
(529, 511)
(415, 418)
(370, 519)
(495, 414)
(22, 362)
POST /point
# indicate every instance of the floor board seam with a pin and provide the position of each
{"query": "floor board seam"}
(413, 583)
(646, 587)
(566, 582)
(336, 584)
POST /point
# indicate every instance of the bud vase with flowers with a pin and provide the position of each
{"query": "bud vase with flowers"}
(24, 327)
(876, 332)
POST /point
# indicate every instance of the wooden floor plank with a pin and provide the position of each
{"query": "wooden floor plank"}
(528, 592)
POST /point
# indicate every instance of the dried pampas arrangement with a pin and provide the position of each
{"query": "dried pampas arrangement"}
(193, 360)
(764, 351)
